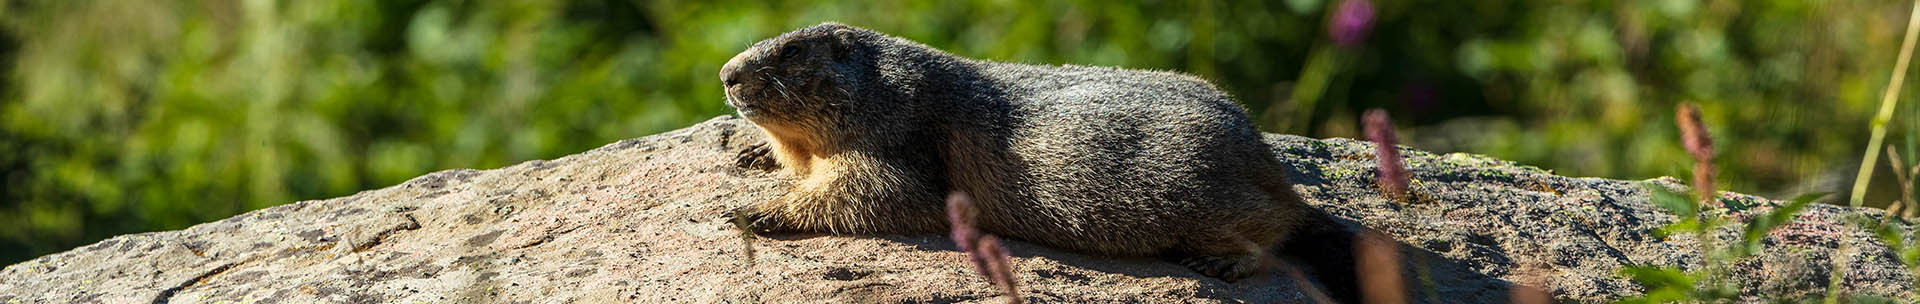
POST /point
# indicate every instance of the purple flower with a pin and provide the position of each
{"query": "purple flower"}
(1352, 19)
(988, 255)
(960, 214)
(1699, 143)
(1394, 180)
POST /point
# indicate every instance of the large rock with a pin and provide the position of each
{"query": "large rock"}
(639, 220)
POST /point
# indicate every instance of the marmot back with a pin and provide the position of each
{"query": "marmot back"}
(877, 129)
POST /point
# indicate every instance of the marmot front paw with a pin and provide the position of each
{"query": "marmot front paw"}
(756, 156)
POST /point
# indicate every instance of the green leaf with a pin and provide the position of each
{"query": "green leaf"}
(1865, 299)
(1890, 234)
(1682, 226)
(1722, 291)
(1910, 255)
(1664, 284)
(1674, 202)
(1658, 277)
(1758, 228)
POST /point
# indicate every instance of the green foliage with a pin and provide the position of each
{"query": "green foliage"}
(1867, 299)
(1664, 284)
(1674, 202)
(1904, 249)
(1671, 284)
(1757, 228)
(128, 116)
(1680, 206)
(1907, 253)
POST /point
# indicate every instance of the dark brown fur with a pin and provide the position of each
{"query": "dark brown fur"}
(877, 129)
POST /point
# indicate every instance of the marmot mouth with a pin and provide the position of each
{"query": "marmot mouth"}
(734, 101)
(743, 108)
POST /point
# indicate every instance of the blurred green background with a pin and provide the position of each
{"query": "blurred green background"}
(138, 115)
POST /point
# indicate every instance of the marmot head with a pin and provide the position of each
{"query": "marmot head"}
(801, 78)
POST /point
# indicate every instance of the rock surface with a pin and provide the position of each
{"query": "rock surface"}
(639, 221)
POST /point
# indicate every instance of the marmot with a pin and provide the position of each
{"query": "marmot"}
(878, 129)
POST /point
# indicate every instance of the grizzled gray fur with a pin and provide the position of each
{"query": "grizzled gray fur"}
(876, 130)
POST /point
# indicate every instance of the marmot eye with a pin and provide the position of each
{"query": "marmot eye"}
(790, 52)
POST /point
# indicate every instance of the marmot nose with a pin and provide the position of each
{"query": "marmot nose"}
(729, 76)
(730, 73)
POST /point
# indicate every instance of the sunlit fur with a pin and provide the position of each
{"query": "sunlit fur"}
(877, 129)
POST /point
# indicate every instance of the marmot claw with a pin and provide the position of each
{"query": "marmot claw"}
(756, 156)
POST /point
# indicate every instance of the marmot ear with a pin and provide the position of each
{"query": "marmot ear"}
(844, 39)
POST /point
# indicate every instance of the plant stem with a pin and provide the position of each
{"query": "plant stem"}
(1879, 124)
(1307, 92)
(1887, 101)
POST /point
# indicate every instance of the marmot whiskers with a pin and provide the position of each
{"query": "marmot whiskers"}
(877, 129)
